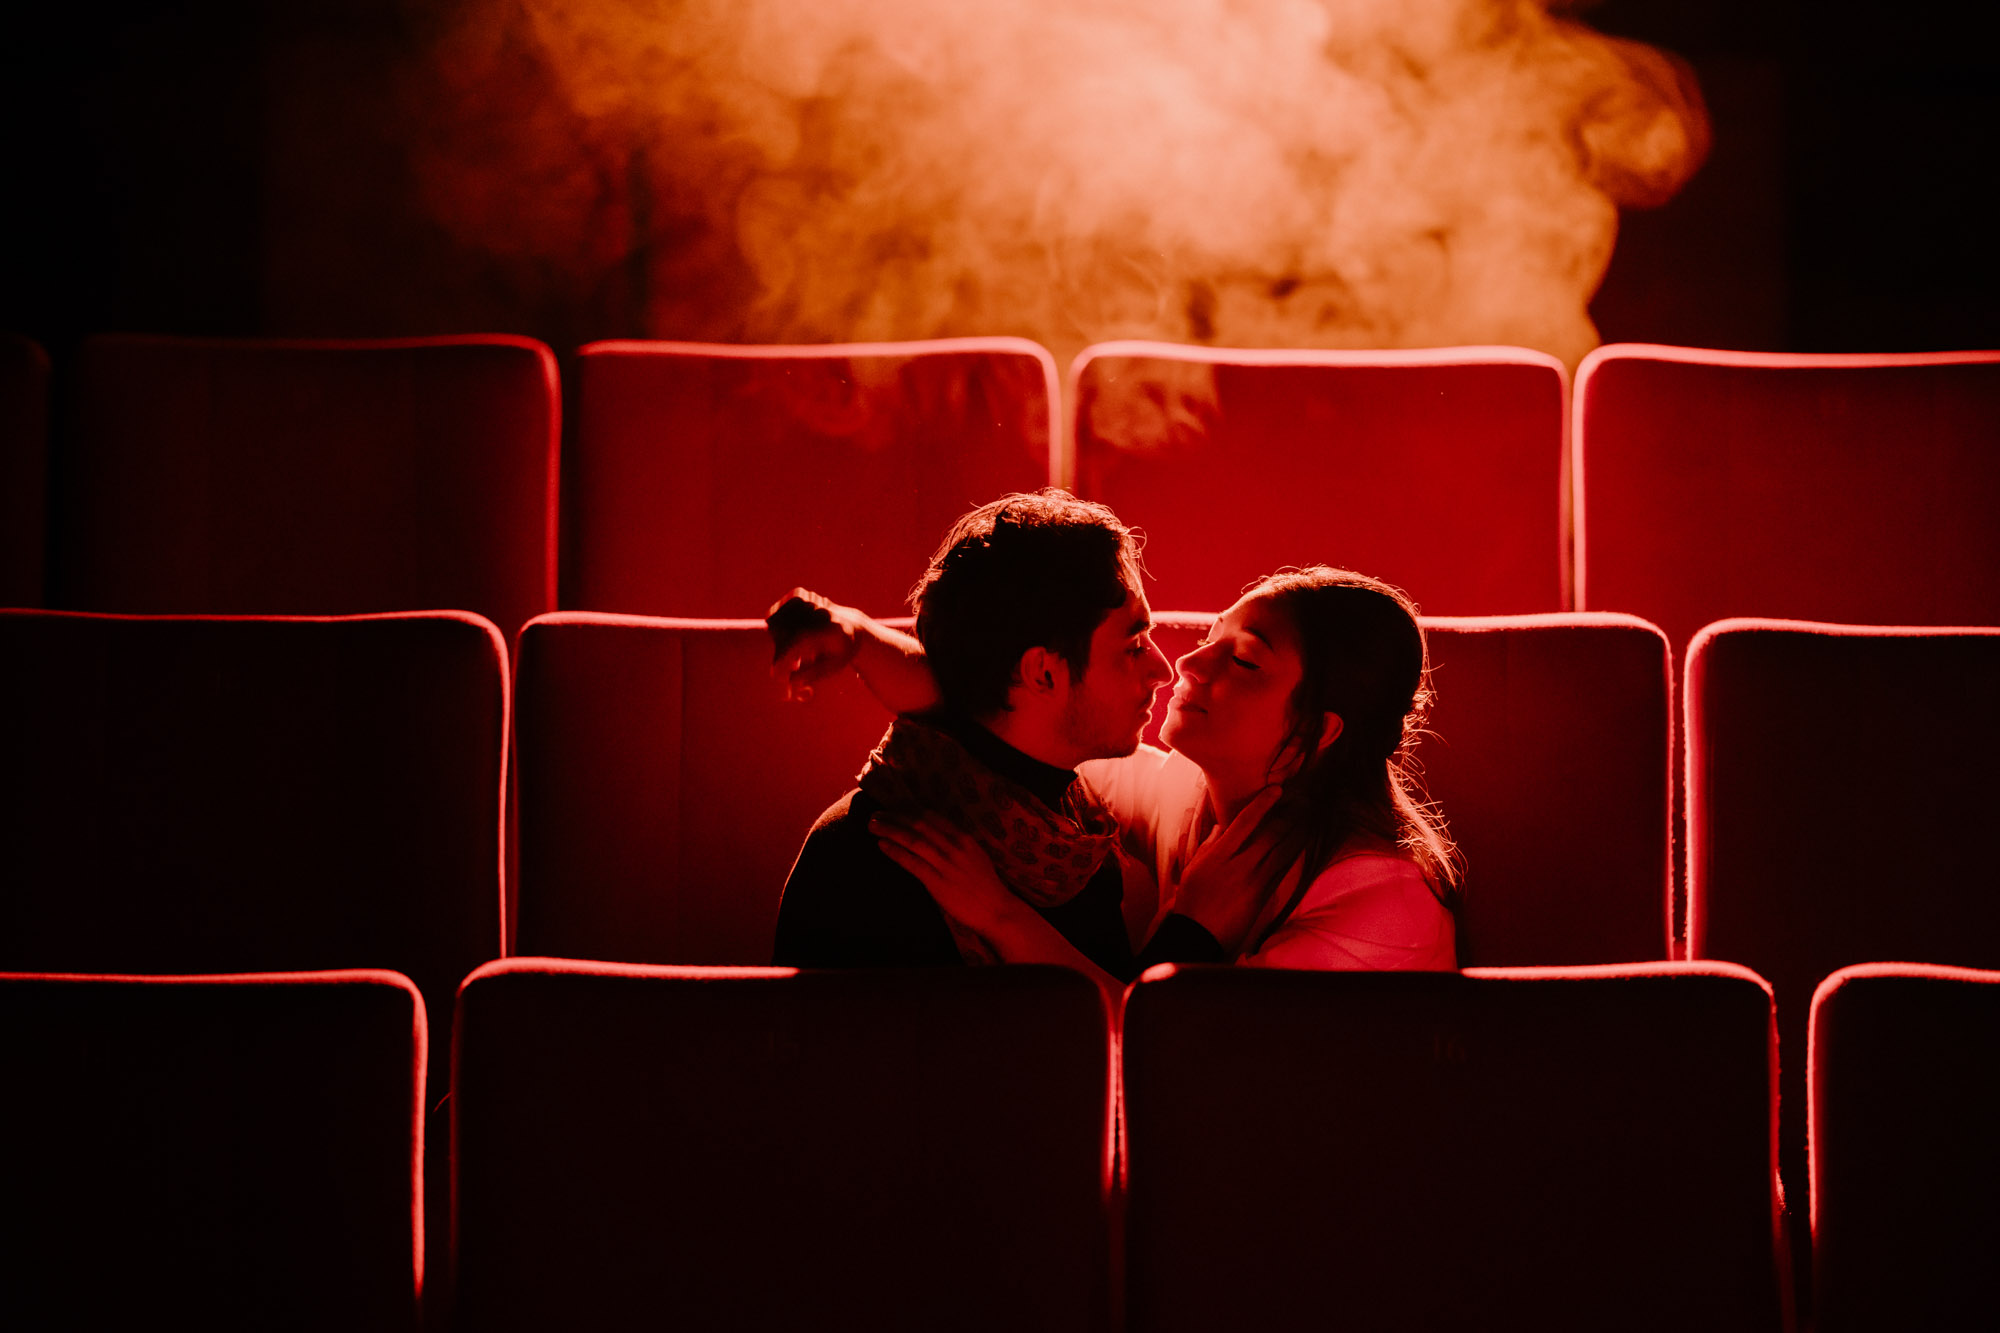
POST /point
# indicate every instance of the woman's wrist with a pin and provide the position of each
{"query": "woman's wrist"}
(890, 663)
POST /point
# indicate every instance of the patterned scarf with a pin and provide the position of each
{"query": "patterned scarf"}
(1045, 856)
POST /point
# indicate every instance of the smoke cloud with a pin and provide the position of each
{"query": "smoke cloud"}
(1279, 173)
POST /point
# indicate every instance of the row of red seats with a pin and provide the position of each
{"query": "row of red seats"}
(327, 478)
(664, 786)
(1575, 1148)
(215, 794)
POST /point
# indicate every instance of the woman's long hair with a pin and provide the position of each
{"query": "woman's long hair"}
(1365, 659)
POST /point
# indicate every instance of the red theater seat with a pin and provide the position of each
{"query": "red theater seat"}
(705, 480)
(1438, 470)
(1550, 1148)
(763, 1149)
(310, 478)
(218, 795)
(1548, 756)
(222, 795)
(212, 1152)
(665, 785)
(1905, 1165)
(1844, 488)
(1839, 783)
(24, 463)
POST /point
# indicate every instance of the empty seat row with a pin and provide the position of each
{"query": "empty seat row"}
(309, 478)
(330, 478)
(1573, 1148)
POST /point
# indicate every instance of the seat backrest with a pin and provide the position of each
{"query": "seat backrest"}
(1549, 1148)
(1905, 1165)
(24, 467)
(199, 794)
(705, 480)
(188, 794)
(1437, 470)
(1837, 779)
(1547, 752)
(309, 478)
(665, 785)
(245, 1147)
(1549, 759)
(1840, 488)
(758, 1148)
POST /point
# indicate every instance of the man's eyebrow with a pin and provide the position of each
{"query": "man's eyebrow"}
(1142, 625)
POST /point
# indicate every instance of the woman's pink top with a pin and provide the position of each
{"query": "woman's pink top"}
(1371, 909)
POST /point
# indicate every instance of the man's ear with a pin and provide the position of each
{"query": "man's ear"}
(1329, 731)
(1039, 671)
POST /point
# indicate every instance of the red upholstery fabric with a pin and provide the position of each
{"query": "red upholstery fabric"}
(1437, 470)
(1548, 755)
(310, 478)
(665, 786)
(1905, 1165)
(212, 1152)
(1549, 1148)
(215, 795)
(1838, 488)
(24, 462)
(757, 1148)
(1838, 778)
(705, 480)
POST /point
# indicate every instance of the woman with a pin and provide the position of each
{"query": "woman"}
(1287, 819)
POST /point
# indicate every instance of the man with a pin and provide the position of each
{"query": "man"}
(1040, 642)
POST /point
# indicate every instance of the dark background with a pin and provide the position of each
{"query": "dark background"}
(238, 167)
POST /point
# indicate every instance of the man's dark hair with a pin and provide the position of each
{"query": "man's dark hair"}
(1026, 571)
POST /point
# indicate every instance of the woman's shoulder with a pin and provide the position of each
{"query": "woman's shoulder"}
(1151, 794)
(1371, 908)
(1372, 869)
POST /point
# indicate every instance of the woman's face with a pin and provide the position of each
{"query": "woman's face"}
(1229, 711)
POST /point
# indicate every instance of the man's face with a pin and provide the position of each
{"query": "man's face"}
(1107, 707)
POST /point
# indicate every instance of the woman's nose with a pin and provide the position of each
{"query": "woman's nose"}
(1193, 665)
